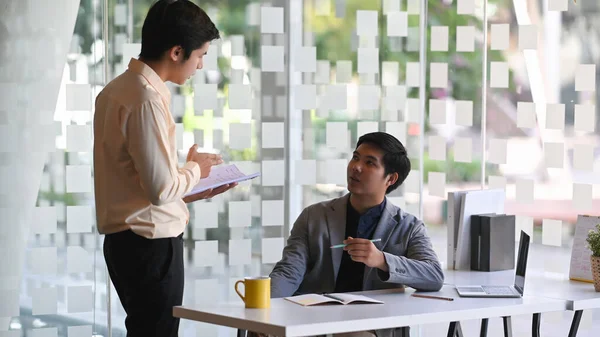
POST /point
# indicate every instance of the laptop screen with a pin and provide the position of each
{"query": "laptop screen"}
(522, 262)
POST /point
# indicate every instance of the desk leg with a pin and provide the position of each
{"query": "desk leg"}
(454, 330)
(535, 326)
(507, 326)
(405, 331)
(575, 323)
(241, 333)
(484, 327)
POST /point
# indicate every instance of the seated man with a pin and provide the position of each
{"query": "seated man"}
(403, 257)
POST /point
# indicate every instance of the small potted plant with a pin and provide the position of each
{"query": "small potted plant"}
(593, 240)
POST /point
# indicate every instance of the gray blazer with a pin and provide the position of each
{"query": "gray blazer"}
(308, 264)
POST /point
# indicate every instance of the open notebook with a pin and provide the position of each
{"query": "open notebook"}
(337, 298)
(221, 175)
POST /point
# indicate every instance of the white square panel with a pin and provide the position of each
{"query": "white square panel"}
(79, 219)
(43, 332)
(272, 135)
(240, 214)
(465, 39)
(363, 128)
(552, 232)
(412, 74)
(585, 117)
(206, 292)
(499, 74)
(305, 96)
(205, 97)
(240, 252)
(240, 136)
(9, 306)
(437, 111)
(437, 148)
(413, 6)
(272, 59)
(306, 59)
(390, 6)
(78, 260)
(438, 75)
(79, 97)
(335, 97)
(79, 178)
(272, 213)
(465, 7)
(390, 71)
(79, 138)
(120, 18)
(526, 117)
(464, 113)
(583, 157)
(80, 299)
(413, 110)
(343, 71)
(206, 253)
(368, 61)
(79, 331)
(582, 197)
(237, 45)
(240, 96)
(43, 220)
(273, 173)
(437, 184)
(555, 116)
(525, 224)
(439, 38)
(585, 77)
(397, 129)
(558, 5)
(395, 97)
(528, 37)
(206, 214)
(497, 151)
(524, 191)
(397, 24)
(210, 59)
(411, 183)
(554, 155)
(272, 249)
(369, 97)
(497, 182)
(323, 74)
(305, 172)
(500, 36)
(271, 20)
(336, 135)
(336, 171)
(463, 150)
(366, 23)
(44, 301)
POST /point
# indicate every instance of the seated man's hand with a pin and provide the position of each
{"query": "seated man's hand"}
(209, 193)
(363, 250)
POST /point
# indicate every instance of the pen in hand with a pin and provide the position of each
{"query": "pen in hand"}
(434, 297)
(344, 245)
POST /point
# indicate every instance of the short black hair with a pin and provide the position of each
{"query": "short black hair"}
(395, 158)
(172, 23)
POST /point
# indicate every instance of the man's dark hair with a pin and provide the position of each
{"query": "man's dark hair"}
(395, 158)
(172, 23)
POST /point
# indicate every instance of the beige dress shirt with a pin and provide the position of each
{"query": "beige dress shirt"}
(138, 184)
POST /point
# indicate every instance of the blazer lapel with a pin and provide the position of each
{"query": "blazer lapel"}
(385, 226)
(336, 224)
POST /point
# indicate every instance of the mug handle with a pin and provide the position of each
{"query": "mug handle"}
(237, 290)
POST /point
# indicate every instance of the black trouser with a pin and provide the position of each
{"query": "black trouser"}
(148, 277)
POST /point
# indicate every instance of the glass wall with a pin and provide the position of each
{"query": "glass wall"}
(484, 94)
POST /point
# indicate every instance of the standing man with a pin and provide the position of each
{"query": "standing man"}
(139, 187)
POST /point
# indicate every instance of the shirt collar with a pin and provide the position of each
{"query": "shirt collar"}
(374, 211)
(152, 77)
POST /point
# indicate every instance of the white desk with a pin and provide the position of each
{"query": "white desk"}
(578, 295)
(400, 309)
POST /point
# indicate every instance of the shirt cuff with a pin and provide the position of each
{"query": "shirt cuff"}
(194, 168)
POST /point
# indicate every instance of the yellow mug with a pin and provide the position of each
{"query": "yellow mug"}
(257, 292)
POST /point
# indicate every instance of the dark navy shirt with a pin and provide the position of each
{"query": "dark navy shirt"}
(350, 275)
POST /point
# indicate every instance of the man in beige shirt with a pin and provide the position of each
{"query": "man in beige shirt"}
(139, 187)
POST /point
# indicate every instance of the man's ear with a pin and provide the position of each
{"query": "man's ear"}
(392, 178)
(175, 53)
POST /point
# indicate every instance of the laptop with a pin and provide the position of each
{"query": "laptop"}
(500, 291)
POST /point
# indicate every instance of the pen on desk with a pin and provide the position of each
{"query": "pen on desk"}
(344, 245)
(434, 297)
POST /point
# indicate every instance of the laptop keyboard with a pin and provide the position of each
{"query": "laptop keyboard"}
(498, 290)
